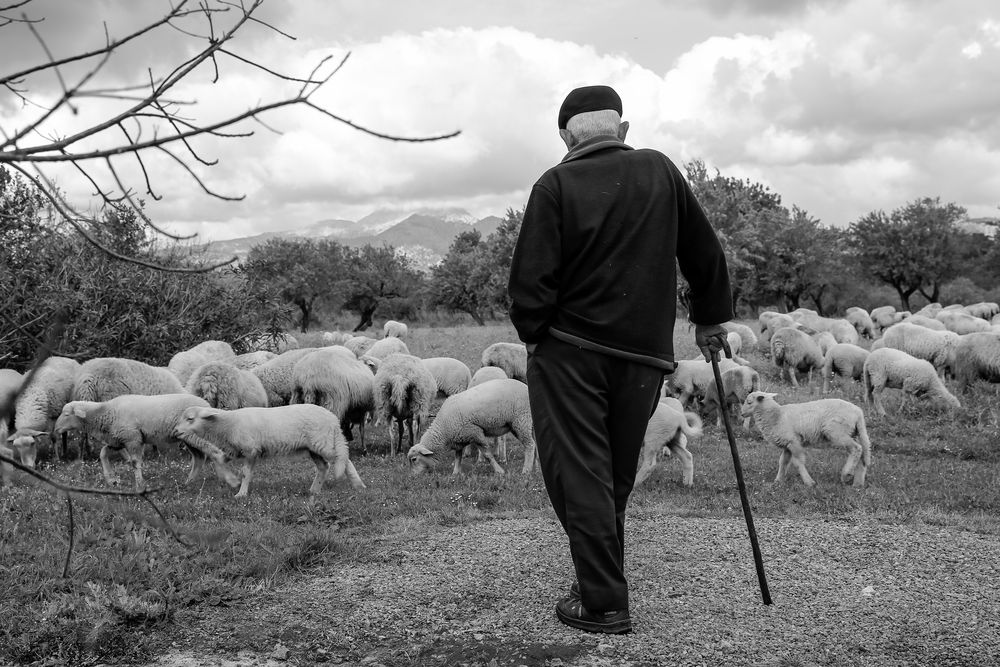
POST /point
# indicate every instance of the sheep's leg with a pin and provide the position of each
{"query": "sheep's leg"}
(398, 443)
(799, 461)
(809, 379)
(322, 467)
(361, 431)
(457, 468)
(793, 376)
(197, 464)
(522, 430)
(687, 461)
(877, 401)
(647, 465)
(133, 455)
(850, 470)
(409, 429)
(783, 459)
(501, 447)
(353, 476)
(6, 469)
(247, 476)
(106, 466)
(485, 449)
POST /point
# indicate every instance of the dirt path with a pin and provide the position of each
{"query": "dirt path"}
(483, 594)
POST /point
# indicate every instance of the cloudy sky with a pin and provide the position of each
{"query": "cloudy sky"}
(840, 107)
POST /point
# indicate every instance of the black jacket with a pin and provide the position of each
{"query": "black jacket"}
(594, 262)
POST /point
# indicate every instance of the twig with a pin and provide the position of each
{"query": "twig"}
(69, 549)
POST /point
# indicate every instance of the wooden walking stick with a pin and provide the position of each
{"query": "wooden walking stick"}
(758, 561)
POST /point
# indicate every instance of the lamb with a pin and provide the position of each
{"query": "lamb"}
(862, 321)
(896, 369)
(937, 347)
(333, 378)
(381, 349)
(452, 375)
(404, 390)
(359, 345)
(474, 417)
(736, 384)
(336, 338)
(251, 360)
(745, 332)
(129, 422)
(511, 357)
(691, 378)
(885, 316)
(984, 309)
(977, 356)
(845, 360)
(276, 375)
(793, 427)
(962, 323)
(668, 429)
(487, 373)
(251, 433)
(393, 329)
(39, 404)
(795, 351)
(927, 322)
(226, 387)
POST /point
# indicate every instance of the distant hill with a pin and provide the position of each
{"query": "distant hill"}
(424, 235)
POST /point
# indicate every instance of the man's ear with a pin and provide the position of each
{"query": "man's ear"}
(567, 138)
(622, 130)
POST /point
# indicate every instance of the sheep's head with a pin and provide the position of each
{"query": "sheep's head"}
(72, 418)
(754, 401)
(372, 363)
(194, 422)
(421, 459)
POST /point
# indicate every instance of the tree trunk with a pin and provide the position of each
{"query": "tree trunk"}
(367, 313)
(306, 308)
(904, 296)
(476, 316)
(935, 294)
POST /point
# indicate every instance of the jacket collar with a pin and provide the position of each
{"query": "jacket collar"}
(595, 144)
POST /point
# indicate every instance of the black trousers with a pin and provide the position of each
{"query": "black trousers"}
(590, 412)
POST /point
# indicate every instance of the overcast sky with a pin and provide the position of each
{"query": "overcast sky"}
(840, 107)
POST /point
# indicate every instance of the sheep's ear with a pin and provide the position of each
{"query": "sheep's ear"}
(421, 449)
(768, 395)
(210, 416)
(78, 411)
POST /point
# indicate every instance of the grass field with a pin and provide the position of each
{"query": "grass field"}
(129, 578)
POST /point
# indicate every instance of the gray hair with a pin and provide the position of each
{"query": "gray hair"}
(590, 124)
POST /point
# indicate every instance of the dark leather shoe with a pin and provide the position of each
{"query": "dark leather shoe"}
(572, 612)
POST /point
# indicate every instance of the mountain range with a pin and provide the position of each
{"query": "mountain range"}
(423, 235)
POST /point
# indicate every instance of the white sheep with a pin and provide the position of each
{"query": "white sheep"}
(336, 337)
(511, 357)
(845, 360)
(668, 429)
(737, 383)
(381, 349)
(38, 406)
(745, 332)
(927, 322)
(226, 387)
(10, 385)
(825, 340)
(404, 391)
(962, 323)
(862, 321)
(394, 329)
(895, 369)
(885, 316)
(104, 378)
(691, 378)
(359, 345)
(773, 322)
(276, 375)
(793, 350)
(984, 309)
(937, 347)
(487, 373)
(977, 356)
(475, 417)
(334, 379)
(795, 426)
(930, 310)
(842, 330)
(251, 433)
(184, 363)
(129, 422)
(452, 375)
(251, 360)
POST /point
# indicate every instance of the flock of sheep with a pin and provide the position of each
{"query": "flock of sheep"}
(225, 407)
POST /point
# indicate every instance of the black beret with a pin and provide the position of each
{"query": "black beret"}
(588, 98)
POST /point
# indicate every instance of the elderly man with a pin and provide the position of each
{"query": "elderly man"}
(594, 291)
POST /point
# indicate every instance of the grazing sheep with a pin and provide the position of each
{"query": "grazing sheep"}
(962, 323)
(38, 406)
(845, 360)
(842, 331)
(127, 423)
(862, 322)
(359, 345)
(251, 360)
(984, 309)
(745, 332)
(475, 417)
(251, 433)
(794, 426)
(404, 390)
(885, 316)
(276, 375)
(184, 363)
(691, 378)
(226, 387)
(452, 375)
(895, 369)
(795, 351)
(930, 310)
(977, 357)
(485, 374)
(825, 340)
(334, 379)
(336, 338)
(736, 384)
(511, 357)
(104, 378)
(216, 350)
(393, 329)
(668, 429)
(927, 322)
(937, 347)
(381, 349)
(774, 322)
(955, 306)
